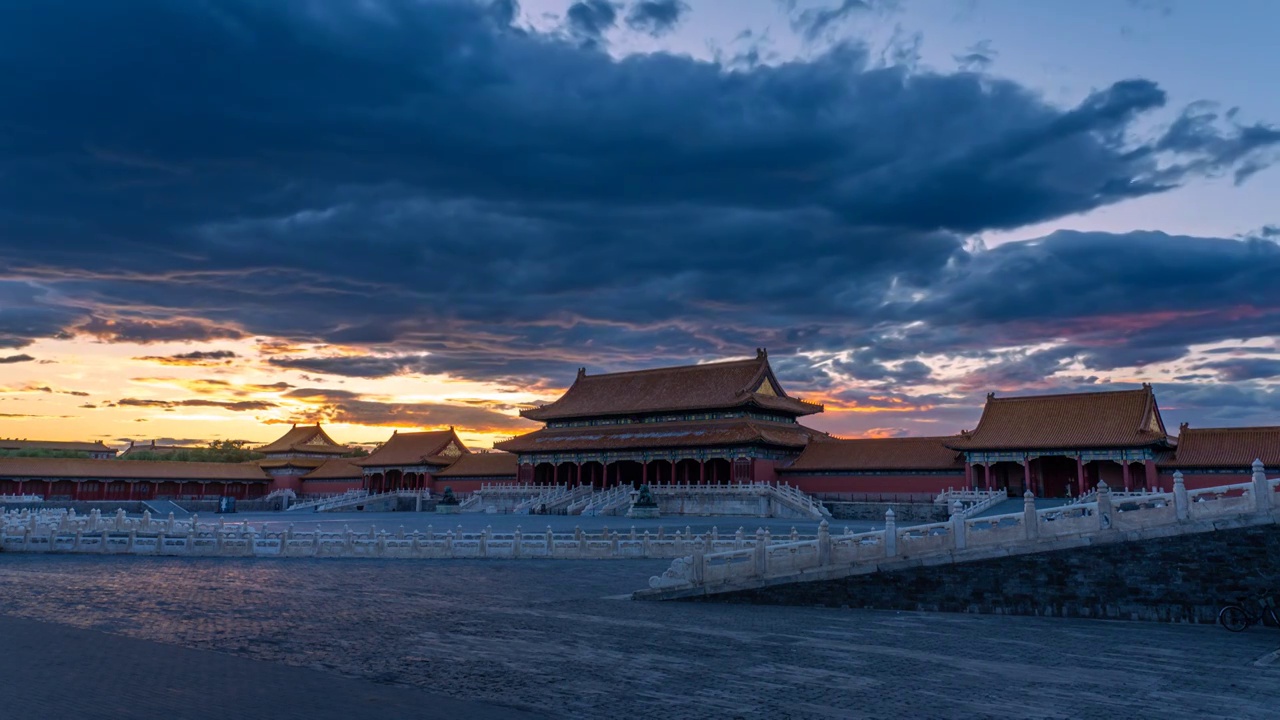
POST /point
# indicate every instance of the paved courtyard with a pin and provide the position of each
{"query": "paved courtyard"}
(552, 638)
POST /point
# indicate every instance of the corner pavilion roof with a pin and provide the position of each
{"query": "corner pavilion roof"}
(1225, 447)
(305, 439)
(710, 386)
(416, 448)
(336, 469)
(909, 453)
(482, 464)
(1109, 419)
(633, 436)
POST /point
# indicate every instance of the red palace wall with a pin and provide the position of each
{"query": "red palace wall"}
(462, 486)
(286, 482)
(1195, 481)
(931, 484)
(764, 471)
(117, 490)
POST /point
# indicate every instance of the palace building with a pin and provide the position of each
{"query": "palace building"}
(297, 454)
(717, 422)
(712, 423)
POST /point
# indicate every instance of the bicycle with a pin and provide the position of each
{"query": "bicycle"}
(1237, 619)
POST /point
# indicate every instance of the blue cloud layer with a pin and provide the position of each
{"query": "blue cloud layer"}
(428, 177)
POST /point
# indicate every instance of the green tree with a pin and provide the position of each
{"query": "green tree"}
(222, 451)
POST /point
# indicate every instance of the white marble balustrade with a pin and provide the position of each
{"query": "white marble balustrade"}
(1107, 518)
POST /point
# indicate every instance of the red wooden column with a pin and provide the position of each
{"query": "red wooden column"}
(968, 475)
(1153, 479)
(702, 472)
(1128, 477)
(1026, 474)
(987, 469)
(1080, 474)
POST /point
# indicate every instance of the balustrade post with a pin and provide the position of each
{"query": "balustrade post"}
(824, 544)
(958, 526)
(699, 565)
(1104, 506)
(1261, 487)
(1030, 520)
(516, 539)
(1180, 500)
(133, 537)
(484, 542)
(761, 554)
(647, 547)
(890, 534)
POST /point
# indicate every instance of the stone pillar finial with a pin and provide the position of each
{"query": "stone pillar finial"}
(1180, 500)
(890, 534)
(1261, 487)
(1030, 518)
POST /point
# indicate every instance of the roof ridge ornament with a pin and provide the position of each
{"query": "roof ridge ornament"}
(762, 353)
(582, 372)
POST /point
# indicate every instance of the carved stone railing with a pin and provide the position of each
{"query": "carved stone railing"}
(21, 498)
(972, 502)
(1109, 518)
(323, 500)
(236, 540)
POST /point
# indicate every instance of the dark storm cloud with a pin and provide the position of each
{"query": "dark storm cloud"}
(1237, 369)
(235, 406)
(1085, 287)
(425, 178)
(590, 19)
(812, 23)
(356, 366)
(341, 406)
(195, 358)
(976, 58)
(656, 17)
(153, 331)
(11, 359)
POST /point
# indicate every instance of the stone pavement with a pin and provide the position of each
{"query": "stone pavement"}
(54, 671)
(548, 636)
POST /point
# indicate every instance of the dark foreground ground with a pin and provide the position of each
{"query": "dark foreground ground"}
(121, 637)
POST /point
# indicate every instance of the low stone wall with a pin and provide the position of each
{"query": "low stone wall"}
(703, 504)
(1179, 578)
(136, 507)
(145, 537)
(904, 512)
(84, 507)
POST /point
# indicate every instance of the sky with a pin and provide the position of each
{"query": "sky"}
(221, 217)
